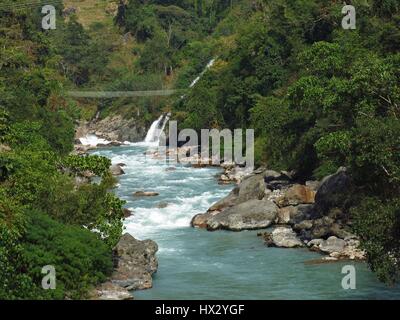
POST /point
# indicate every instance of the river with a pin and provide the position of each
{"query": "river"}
(196, 264)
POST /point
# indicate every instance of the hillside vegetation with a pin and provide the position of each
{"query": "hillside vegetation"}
(318, 96)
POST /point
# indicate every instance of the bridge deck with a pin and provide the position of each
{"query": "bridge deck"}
(118, 94)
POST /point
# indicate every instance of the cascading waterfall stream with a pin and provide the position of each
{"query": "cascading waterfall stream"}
(209, 65)
(151, 134)
(158, 126)
(156, 129)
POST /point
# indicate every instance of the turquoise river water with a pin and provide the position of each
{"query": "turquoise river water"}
(196, 264)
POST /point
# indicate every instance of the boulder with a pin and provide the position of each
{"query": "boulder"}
(332, 244)
(145, 194)
(252, 187)
(249, 215)
(333, 191)
(284, 238)
(295, 195)
(116, 170)
(135, 263)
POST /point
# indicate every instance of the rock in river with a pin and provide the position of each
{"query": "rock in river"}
(116, 170)
(135, 263)
(249, 215)
(283, 237)
(145, 194)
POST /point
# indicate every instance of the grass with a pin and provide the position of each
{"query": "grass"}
(91, 11)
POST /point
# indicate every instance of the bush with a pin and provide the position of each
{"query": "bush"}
(378, 224)
(14, 282)
(81, 259)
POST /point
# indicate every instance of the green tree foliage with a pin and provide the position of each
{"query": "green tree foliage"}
(378, 224)
(319, 97)
(47, 215)
(15, 283)
(80, 54)
(79, 257)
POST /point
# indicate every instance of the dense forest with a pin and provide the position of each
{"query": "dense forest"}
(46, 217)
(319, 97)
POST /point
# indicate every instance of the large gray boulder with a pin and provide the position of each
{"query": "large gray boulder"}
(116, 170)
(333, 191)
(283, 237)
(249, 215)
(135, 262)
(333, 244)
(252, 187)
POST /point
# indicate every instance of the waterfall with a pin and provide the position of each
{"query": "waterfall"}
(151, 134)
(208, 66)
(157, 128)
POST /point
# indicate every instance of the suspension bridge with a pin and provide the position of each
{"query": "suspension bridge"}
(122, 94)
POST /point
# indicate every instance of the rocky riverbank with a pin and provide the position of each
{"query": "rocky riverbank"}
(134, 264)
(303, 215)
(113, 128)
